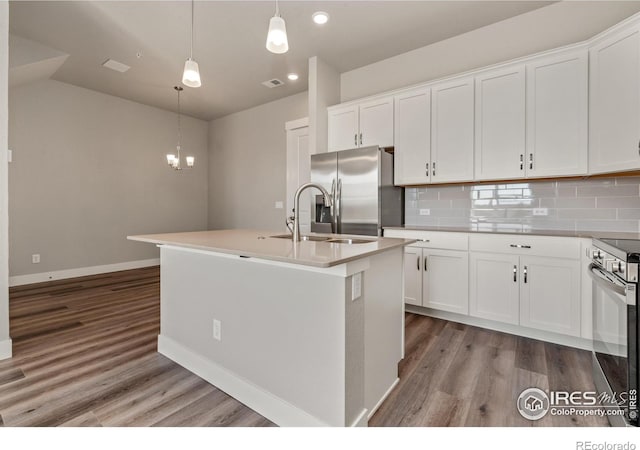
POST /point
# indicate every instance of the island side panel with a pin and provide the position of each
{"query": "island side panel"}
(282, 329)
(384, 325)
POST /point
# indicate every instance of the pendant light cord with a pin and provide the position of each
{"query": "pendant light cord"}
(192, 3)
(277, 9)
(179, 127)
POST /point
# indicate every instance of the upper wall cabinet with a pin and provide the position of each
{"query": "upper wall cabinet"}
(370, 123)
(412, 136)
(614, 128)
(557, 115)
(500, 124)
(452, 131)
(343, 128)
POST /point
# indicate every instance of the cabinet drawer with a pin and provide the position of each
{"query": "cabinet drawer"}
(515, 244)
(432, 239)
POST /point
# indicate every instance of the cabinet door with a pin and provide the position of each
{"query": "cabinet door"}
(452, 130)
(500, 124)
(557, 116)
(376, 123)
(494, 287)
(614, 102)
(445, 281)
(412, 137)
(550, 294)
(343, 128)
(413, 276)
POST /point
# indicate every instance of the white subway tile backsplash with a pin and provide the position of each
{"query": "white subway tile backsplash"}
(602, 204)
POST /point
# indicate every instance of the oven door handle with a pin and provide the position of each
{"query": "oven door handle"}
(600, 277)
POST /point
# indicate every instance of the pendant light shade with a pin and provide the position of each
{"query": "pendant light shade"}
(277, 35)
(191, 75)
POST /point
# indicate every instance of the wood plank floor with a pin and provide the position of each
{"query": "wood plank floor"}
(85, 355)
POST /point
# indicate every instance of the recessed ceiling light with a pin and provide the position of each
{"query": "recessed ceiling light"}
(320, 17)
(292, 76)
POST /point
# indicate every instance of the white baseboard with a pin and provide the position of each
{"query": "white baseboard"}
(569, 341)
(20, 280)
(263, 402)
(383, 398)
(5, 349)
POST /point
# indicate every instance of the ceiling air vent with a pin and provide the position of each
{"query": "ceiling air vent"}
(273, 83)
(115, 65)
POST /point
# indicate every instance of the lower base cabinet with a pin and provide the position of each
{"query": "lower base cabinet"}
(536, 292)
(437, 279)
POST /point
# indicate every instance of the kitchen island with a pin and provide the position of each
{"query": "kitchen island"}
(306, 334)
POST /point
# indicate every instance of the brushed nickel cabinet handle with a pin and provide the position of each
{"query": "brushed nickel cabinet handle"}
(525, 273)
(434, 169)
(355, 139)
(519, 246)
(515, 274)
(360, 138)
(521, 161)
(530, 161)
(418, 262)
(425, 264)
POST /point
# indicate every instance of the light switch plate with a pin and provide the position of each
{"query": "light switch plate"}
(425, 212)
(356, 286)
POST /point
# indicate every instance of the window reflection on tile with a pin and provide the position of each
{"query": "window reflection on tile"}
(530, 206)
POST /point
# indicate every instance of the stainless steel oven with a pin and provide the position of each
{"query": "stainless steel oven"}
(614, 271)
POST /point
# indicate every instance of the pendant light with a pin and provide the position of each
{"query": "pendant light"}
(174, 160)
(191, 74)
(277, 35)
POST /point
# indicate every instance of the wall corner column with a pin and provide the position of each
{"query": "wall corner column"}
(324, 91)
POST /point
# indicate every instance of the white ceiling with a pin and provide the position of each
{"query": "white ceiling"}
(229, 42)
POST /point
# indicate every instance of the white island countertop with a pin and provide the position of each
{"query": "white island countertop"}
(261, 244)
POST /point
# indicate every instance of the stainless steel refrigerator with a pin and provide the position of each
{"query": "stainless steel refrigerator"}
(364, 197)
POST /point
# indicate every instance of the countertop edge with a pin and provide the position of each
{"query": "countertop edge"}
(545, 233)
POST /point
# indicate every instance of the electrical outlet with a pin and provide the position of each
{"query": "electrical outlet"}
(217, 330)
(35, 258)
(540, 211)
(425, 212)
(356, 286)
(279, 205)
(10, 155)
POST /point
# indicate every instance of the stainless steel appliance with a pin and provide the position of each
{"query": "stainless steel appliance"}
(614, 270)
(361, 184)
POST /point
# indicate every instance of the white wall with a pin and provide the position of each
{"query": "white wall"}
(5, 346)
(89, 169)
(247, 165)
(542, 29)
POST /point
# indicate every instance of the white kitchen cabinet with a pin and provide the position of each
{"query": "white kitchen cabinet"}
(500, 124)
(557, 115)
(445, 280)
(614, 102)
(494, 287)
(452, 131)
(412, 137)
(413, 276)
(437, 279)
(550, 294)
(361, 125)
(343, 128)
(376, 123)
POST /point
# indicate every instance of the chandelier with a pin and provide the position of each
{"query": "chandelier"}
(174, 160)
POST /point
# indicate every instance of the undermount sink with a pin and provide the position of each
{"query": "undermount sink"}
(349, 241)
(303, 238)
(326, 239)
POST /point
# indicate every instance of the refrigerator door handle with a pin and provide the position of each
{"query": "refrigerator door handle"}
(333, 199)
(338, 206)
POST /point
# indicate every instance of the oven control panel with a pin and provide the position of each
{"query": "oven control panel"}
(628, 272)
